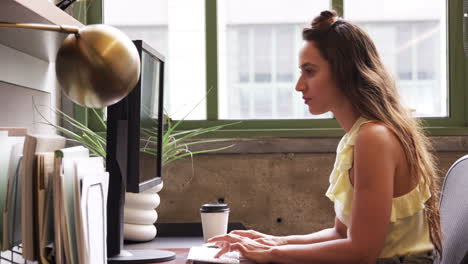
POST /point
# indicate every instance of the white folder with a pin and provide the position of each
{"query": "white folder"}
(94, 182)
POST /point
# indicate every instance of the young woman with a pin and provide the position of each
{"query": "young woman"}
(383, 181)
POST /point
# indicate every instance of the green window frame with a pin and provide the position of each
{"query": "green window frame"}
(455, 124)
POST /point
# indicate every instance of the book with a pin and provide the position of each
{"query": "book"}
(45, 167)
(29, 196)
(65, 237)
(57, 196)
(11, 214)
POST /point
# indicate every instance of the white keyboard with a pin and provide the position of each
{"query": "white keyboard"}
(206, 254)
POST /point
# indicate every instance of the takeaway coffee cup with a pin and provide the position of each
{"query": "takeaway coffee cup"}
(214, 220)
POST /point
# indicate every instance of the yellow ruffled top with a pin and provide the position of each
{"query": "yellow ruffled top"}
(408, 231)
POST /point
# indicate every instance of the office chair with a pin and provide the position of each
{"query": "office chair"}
(454, 214)
(465, 259)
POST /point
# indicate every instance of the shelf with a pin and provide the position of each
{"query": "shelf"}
(37, 43)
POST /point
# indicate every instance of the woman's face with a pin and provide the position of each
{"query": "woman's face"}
(316, 82)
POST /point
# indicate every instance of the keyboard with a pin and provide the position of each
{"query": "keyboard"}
(206, 254)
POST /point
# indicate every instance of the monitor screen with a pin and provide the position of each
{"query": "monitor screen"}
(151, 115)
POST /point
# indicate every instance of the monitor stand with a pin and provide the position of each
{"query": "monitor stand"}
(141, 256)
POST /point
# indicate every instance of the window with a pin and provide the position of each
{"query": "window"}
(258, 64)
(177, 30)
(411, 43)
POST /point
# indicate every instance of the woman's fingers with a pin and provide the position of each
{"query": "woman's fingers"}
(264, 241)
(231, 247)
(249, 248)
(220, 244)
(227, 243)
(217, 238)
(246, 233)
(224, 249)
(231, 238)
(236, 242)
(238, 247)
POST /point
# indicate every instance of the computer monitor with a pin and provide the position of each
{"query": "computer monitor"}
(130, 169)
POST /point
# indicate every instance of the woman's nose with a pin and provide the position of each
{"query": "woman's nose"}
(299, 85)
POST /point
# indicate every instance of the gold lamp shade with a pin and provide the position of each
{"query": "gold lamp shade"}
(96, 66)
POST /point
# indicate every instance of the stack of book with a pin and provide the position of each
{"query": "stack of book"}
(57, 204)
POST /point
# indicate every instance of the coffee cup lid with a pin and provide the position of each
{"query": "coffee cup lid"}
(214, 208)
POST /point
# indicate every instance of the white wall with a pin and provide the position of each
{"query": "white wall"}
(39, 74)
(24, 78)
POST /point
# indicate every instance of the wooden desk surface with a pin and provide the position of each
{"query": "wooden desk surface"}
(181, 255)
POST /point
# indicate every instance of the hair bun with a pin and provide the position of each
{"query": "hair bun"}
(328, 13)
(325, 19)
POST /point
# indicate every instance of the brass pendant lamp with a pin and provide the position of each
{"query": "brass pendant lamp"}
(96, 65)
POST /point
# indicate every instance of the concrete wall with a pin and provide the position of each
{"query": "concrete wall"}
(277, 193)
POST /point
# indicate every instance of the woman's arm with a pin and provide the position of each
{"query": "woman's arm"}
(374, 168)
(336, 232)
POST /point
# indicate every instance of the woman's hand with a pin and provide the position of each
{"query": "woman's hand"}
(249, 248)
(261, 238)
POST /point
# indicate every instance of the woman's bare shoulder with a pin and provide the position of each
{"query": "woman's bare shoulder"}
(377, 154)
(377, 134)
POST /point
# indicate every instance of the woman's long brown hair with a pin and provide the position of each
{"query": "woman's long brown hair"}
(362, 77)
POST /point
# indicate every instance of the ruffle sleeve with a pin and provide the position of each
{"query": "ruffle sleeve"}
(410, 203)
(339, 182)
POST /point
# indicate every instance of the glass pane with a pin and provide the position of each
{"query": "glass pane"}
(262, 102)
(404, 67)
(262, 53)
(429, 35)
(177, 30)
(284, 35)
(410, 37)
(243, 56)
(258, 57)
(284, 100)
